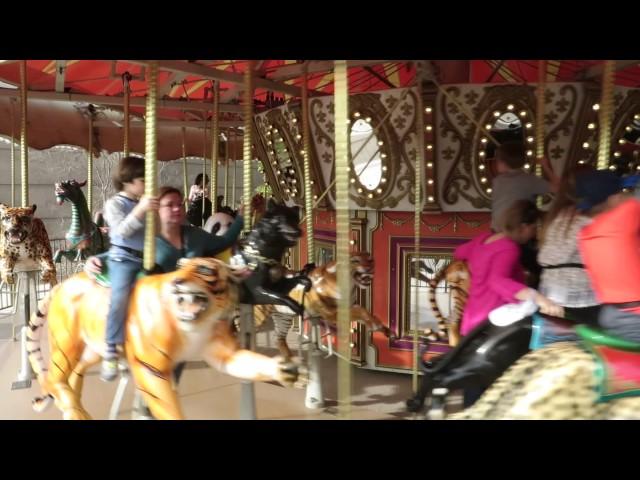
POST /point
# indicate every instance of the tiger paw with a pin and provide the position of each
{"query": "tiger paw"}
(289, 373)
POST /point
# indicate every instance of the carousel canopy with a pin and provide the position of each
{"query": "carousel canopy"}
(64, 93)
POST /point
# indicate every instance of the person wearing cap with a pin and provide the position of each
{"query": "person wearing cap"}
(610, 248)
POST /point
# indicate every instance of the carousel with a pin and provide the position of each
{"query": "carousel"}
(355, 181)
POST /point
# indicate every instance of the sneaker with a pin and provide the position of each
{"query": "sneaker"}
(109, 369)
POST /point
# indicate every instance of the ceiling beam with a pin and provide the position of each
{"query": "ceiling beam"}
(170, 123)
(596, 70)
(380, 77)
(292, 71)
(112, 100)
(214, 74)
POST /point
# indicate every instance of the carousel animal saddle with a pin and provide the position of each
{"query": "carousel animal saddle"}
(617, 363)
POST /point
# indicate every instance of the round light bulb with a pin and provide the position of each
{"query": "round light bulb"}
(596, 106)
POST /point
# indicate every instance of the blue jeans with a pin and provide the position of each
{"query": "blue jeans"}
(123, 269)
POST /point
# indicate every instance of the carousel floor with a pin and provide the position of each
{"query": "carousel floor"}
(208, 394)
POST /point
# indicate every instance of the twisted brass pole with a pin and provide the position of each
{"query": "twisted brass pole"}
(150, 167)
(606, 114)
(341, 109)
(24, 147)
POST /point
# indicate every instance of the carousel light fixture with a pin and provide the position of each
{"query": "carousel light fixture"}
(510, 107)
(427, 110)
(496, 114)
(591, 126)
(489, 190)
(429, 164)
(585, 145)
(529, 153)
(596, 106)
(429, 128)
(481, 167)
(380, 143)
(523, 113)
(429, 147)
(529, 125)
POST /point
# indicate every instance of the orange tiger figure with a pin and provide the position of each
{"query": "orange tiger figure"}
(458, 278)
(322, 299)
(172, 318)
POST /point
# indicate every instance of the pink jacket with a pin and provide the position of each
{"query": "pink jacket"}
(496, 276)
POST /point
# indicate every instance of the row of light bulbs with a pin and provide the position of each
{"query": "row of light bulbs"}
(482, 154)
(429, 154)
(383, 155)
(621, 141)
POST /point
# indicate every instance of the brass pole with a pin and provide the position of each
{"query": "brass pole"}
(150, 167)
(416, 227)
(204, 170)
(13, 157)
(90, 166)
(542, 74)
(226, 169)
(215, 143)
(308, 191)
(185, 181)
(246, 153)
(24, 148)
(606, 114)
(126, 78)
(341, 99)
(234, 158)
(540, 89)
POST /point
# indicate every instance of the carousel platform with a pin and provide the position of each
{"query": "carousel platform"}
(207, 394)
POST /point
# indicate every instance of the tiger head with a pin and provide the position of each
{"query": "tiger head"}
(362, 269)
(201, 289)
(16, 223)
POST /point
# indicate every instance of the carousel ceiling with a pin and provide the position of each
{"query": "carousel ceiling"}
(60, 92)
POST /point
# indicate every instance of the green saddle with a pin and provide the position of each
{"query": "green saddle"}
(617, 363)
(598, 337)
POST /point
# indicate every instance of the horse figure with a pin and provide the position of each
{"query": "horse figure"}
(84, 236)
(270, 282)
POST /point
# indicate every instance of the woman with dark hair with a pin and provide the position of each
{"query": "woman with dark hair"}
(564, 279)
(196, 214)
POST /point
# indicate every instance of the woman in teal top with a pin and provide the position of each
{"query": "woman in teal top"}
(177, 240)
